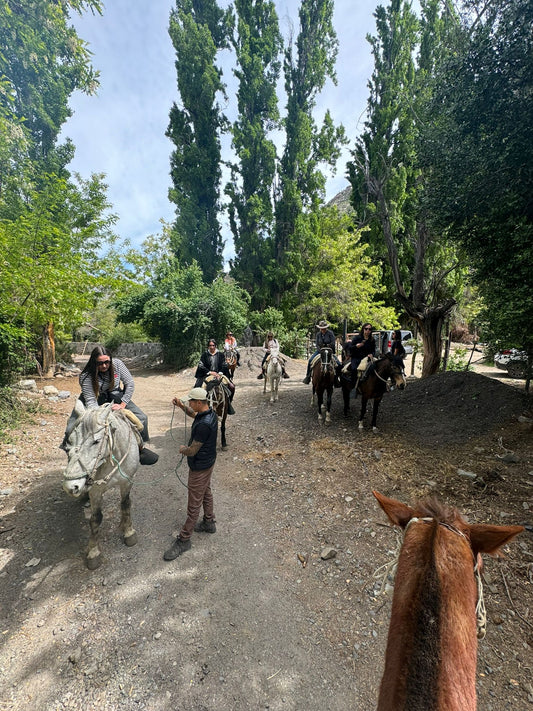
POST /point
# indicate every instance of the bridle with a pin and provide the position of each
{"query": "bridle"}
(481, 613)
(100, 459)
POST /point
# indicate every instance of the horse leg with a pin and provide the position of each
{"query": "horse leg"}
(94, 555)
(130, 536)
(320, 398)
(313, 397)
(264, 383)
(364, 401)
(223, 433)
(328, 404)
(375, 409)
(276, 386)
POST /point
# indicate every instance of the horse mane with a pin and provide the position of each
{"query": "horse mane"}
(433, 508)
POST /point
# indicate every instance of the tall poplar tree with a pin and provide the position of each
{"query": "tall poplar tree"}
(307, 66)
(386, 173)
(198, 31)
(257, 43)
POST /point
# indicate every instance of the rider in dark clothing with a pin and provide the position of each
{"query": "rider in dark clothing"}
(212, 362)
(363, 345)
(397, 349)
(325, 338)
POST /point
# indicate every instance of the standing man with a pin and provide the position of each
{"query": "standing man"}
(201, 453)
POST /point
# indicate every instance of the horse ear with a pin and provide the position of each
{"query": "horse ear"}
(485, 538)
(399, 514)
(79, 408)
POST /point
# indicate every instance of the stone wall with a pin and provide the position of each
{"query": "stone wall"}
(125, 350)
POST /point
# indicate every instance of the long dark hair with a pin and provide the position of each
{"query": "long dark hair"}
(362, 331)
(91, 369)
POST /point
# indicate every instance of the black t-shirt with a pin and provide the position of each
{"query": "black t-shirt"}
(204, 429)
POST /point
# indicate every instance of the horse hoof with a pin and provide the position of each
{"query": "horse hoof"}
(131, 540)
(375, 429)
(224, 447)
(360, 425)
(94, 562)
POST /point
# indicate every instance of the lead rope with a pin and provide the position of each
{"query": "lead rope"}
(481, 612)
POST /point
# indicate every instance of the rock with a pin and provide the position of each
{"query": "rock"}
(33, 562)
(508, 458)
(467, 475)
(328, 552)
(27, 385)
(50, 390)
(63, 394)
(348, 499)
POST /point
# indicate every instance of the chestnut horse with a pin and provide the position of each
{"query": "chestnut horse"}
(231, 361)
(374, 385)
(431, 655)
(323, 377)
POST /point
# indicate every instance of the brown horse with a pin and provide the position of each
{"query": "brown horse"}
(374, 385)
(218, 399)
(231, 361)
(323, 377)
(430, 661)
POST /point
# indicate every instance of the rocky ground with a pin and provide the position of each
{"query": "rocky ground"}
(254, 617)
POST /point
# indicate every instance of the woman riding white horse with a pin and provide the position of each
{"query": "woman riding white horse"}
(104, 380)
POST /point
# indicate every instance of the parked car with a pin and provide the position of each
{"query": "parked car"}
(513, 361)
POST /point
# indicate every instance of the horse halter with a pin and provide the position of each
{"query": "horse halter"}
(100, 460)
(481, 613)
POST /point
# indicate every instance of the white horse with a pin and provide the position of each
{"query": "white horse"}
(103, 453)
(273, 374)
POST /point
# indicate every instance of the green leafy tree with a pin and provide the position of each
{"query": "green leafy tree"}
(387, 174)
(257, 44)
(52, 270)
(182, 312)
(481, 148)
(307, 66)
(198, 31)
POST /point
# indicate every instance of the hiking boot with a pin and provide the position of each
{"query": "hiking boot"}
(146, 456)
(336, 382)
(307, 379)
(231, 410)
(177, 548)
(206, 527)
(260, 376)
(286, 375)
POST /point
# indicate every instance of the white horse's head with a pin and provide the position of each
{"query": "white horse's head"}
(90, 446)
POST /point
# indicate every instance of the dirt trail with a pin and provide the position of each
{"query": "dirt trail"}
(238, 623)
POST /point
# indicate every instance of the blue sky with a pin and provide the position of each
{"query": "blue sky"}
(121, 130)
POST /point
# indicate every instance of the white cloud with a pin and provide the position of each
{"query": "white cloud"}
(121, 131)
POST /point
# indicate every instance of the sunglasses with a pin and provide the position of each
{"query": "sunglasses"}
(367, 329)
(104, 362)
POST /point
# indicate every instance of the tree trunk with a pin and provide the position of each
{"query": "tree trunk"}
(49, 350)
(430, 330)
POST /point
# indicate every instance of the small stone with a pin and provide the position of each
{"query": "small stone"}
(508, 458)
(467, 475)
(348, 499)
(157, 635)
(328, 552)
(33, 562)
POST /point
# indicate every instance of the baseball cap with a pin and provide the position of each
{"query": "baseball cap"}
(195, 394)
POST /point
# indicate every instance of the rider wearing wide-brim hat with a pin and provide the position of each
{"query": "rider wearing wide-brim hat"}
(325, 338)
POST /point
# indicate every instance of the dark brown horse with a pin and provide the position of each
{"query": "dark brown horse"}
(323, 377)
(218, 398)
(231, 361)
(437, 607)
(374, 385)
